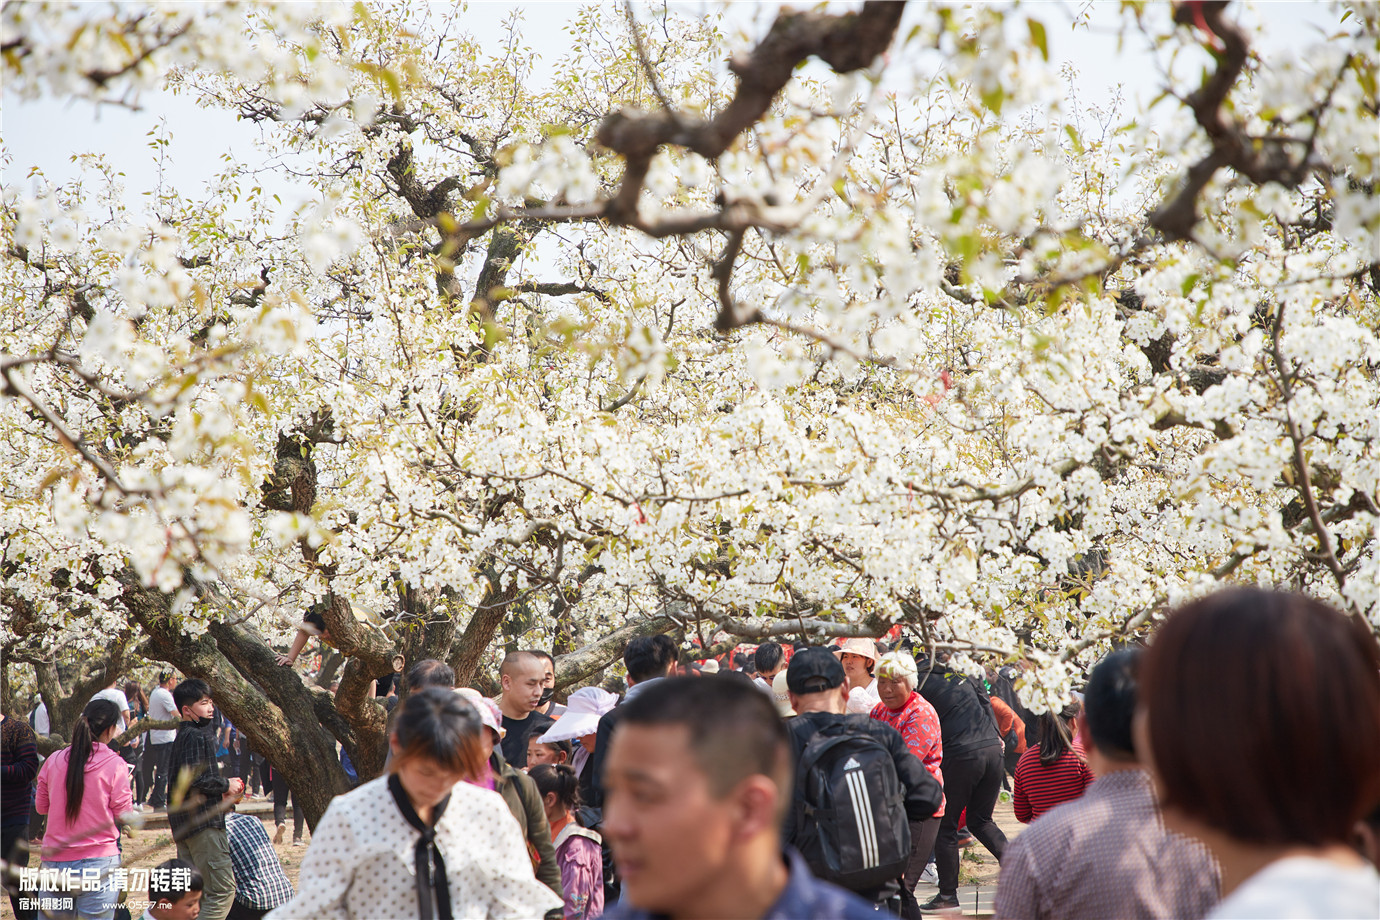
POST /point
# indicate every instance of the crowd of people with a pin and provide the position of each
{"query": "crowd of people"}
(1229, 769)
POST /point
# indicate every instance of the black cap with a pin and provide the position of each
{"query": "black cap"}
(813, 670)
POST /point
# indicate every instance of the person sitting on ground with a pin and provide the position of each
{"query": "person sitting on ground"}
(859, 660)
(517, 789)
(1107, 854)
(84, 789)
(174, 891)
(648, 659)
(197, 821)
(548, 752)
(770, 661)
(421, 841)
(819, 694)
(260, 882)
(698, 781)
(908, 712)
(578, 851)
(1260, 720)
(1052, 773)
(547, 705)
(522, 675)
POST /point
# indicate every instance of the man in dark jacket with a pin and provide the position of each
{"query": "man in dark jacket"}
(647, 658)
(819, 694)
(197, 821)
(972, 769)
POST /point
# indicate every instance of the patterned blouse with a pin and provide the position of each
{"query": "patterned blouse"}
(361, 861)
(918, 724)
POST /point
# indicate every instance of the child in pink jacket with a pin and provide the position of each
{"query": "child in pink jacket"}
(83, 789)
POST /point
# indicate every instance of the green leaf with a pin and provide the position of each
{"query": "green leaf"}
(993, 99)
(1073, 136)
(1038, 37)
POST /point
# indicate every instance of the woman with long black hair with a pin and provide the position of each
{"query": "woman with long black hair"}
(83, 789)
(1052, 773)
(419, 841)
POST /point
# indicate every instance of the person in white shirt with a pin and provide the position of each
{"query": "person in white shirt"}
(421, 841)
(1260, 718)
(859, 660)
(39, 718)
(161, 708)
(116, 696)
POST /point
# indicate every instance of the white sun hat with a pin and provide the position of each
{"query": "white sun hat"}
(581, 716)
(867, 648)
(781, 693)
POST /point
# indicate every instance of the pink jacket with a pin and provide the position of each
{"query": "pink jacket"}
(105, 795)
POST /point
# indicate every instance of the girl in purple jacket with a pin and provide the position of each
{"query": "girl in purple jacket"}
(578, 850)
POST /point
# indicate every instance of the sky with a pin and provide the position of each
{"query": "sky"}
(47, 133)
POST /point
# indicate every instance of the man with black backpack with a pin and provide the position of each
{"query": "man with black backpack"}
(857, 786)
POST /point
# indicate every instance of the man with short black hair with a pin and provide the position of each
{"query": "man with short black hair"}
(198, 822)
(430, 672)
(548, 706)
(647, 659)
(1107, 853)
(161, 709)
(522, 674)
(698, 779)
(818, 690)
(770, 660)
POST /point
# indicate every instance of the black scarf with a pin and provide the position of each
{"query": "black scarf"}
(427, 854)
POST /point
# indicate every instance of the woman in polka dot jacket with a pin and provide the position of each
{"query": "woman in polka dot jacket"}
(419, 842)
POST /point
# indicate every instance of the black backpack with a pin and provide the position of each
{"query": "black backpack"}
(851, 817)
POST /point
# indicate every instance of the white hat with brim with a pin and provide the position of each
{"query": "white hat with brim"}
(710, 667)
(781, 694)
(581, 716)
(864, 647)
